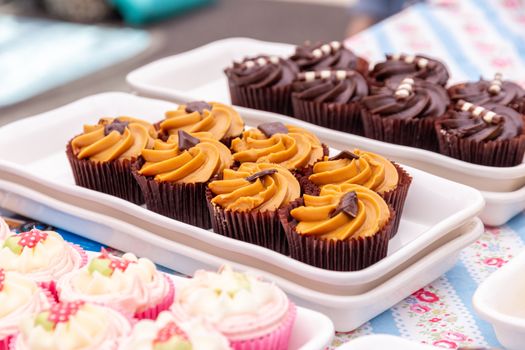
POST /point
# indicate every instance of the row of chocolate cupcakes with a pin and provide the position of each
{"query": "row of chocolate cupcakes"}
(401, 100)
(199, 166)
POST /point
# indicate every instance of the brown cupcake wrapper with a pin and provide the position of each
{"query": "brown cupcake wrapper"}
(504, 153)
(417, 133)
(261, 228)
(344, 255)
(179, 201)
(343, 117)
(274, 99)
(396, 198)
(113, 178)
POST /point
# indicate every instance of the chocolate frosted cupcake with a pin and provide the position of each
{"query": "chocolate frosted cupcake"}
(498, 91)
(173, 175)
(262, 82)
(404, 112)
(492, 135)
(330, 99)
(345, 228)
(220, 120)
(367, 169)
(244, 203)
(402, 65)
(328, 56)
(101, 156)
(289, 146)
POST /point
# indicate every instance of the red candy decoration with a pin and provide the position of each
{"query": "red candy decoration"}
(168, 331)
(31, 238)
(2, 279)
(116, 263)
(62, 312)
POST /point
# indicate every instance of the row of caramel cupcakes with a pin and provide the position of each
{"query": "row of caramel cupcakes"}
(401, 100)
(243, 191)
(110, 302)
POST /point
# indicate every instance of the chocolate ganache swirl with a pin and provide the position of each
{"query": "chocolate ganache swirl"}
(262, 72)
(499, 91)
(332, 56)
(341, 86)
(418, 66)
(407, 99)
(492, 122)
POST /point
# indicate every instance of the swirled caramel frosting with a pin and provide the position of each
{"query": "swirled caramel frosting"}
(287, 145)
(490, 122)
(341, 86)
(497, 90)
(402, 65)
(331, 56)
(357, 167)
(220, 120)
(114, 138)
(262, 72)
(341, 212)
(255, 186)
(186, 158)
(407, 99)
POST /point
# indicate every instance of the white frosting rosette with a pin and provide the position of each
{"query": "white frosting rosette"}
(4, 230)
(239, 305)
(42, 256)
(166, 333)
(20, 298)
(73, 326)
(128, 283)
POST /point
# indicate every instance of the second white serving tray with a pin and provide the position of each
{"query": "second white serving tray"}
(346, 311)
(198, 75)
(435, 207)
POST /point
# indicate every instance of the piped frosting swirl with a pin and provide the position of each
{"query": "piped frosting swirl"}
(114, 138)
(331, 56)
(262, 72)
(341, 212)
(289, 146)
(255, 186)
(220, 120)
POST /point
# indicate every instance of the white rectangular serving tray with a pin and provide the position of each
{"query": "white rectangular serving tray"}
(346, 311)
(435, 207)
(198, 75)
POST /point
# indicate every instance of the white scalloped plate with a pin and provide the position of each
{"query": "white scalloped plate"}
(198, 75)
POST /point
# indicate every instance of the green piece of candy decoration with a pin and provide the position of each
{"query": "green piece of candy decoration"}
(102, 266)
(12, 243)
(42, 319)
(175, 343)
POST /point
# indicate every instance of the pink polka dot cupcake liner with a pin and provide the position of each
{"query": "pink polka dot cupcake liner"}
(277, 340)
(151, 313)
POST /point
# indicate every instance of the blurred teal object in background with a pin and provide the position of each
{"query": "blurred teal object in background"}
(146, 11)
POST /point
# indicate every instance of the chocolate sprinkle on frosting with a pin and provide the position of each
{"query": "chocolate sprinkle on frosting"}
(197, 106)
(270, 129)
(348, 205)
(260, 174)
(116, 125)
(186, 141)
(345, 155)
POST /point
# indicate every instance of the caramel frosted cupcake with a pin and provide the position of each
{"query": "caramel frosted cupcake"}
(346, 228)
(173, 175)
(367, 169)
(328, 56)
(498, 91)
(330, 99)
(101, 156)
(220, 120)
(414, 66)
(244, 203)
(492, 135)
(404, 112)
(262, 82)
(289, 146)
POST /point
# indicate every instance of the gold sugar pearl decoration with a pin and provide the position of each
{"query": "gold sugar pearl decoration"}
(495, 84)
(405, 89)
(488, 116)
(419, 61)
